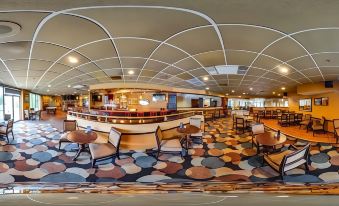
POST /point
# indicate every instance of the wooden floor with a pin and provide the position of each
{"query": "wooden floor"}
(302, 133)
(54, 119)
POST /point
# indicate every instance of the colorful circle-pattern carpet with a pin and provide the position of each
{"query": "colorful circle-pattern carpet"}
(223, 156)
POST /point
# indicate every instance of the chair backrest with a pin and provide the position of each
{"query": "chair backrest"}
(295, 159)
(292, 116)
(336, 123)
(195, 121)
(284, 116)
(70, 125)
(158, 135)
(240, 120)
(308, 116)
(323, 120)
(299, 116)
(268, 111)
(9, 126)
(114, 138)
(7, 117)
(26, 114)
(258, 129)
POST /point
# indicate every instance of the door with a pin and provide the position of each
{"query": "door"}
(12, 107)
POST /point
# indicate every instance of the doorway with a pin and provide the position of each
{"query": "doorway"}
(12, 107)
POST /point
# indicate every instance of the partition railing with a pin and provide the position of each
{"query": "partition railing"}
(133, 119)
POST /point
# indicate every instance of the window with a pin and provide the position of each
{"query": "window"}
(1, 102)
(34, 101)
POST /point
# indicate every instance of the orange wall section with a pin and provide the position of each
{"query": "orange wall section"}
(330, 112)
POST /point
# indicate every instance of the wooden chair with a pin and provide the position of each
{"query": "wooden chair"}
(68, 126)
(306, 121)
(291, 119)
(107, 150)
(261, 114)
(257, 129)
(336, 129)
(274, 114)
(8, 129)
(299, 118)
(288, 159)
(167, 145)
(26, 114)
(195, 121)
(268, 114)
(319, 125)
(283, 121)
(240, 124)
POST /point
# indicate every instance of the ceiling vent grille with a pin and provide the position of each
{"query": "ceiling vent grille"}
(196, 82)
(227, 69)
(116, 77)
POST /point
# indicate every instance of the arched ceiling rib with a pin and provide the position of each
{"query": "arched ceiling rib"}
(175, 43)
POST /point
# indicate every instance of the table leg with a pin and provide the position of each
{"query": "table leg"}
(82, 148)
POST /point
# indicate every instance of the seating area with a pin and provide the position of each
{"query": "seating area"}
(224, 155)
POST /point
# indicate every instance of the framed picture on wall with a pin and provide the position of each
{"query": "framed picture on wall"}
(305, 105)
(317, 101)
(324, 101)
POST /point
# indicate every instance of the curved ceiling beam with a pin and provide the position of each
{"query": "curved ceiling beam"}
(67, 12)
(244, 65)
(50, 16)
(290, 36)
(122, 57)
(100, 40)
(9, 71)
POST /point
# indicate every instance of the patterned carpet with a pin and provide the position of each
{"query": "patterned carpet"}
(224, 156)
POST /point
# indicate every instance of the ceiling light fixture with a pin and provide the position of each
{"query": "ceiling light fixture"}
(207, 88)
(49, 85)
(243, 93)
(233, 91)
(205, 78)
(251, 88)
(68, 86)
(130, 72)
(283, 70)
(227, 94)
(273, 92)
(283, 88)
(279, 94)
(73, 59)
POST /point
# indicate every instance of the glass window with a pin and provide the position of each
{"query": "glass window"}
(34, 101)
(1, 103)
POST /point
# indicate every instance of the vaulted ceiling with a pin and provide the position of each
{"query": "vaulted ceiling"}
(279, 43)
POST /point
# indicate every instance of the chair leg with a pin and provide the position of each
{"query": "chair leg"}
(12, 134)
(59, 145)
(93, 163)
(306, 167)
(7, 138)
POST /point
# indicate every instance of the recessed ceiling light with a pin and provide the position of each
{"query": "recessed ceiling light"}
(283, 88)
(207, 88)
(273, 92)
(49, 85)
(239, 96)
(130, 72)
(68, 86)
(233, 91)
(279, 94)
(88, 90)
(75, 92)
(227, 94)
(243, 93)
(251, 88)
(283, 70)
(205, 78)
(73, 59)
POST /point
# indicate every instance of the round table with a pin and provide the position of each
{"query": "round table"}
(270, 139)
(82, 138)
(188, 130)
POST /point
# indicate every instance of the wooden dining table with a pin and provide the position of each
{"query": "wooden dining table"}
(82, 138)
(187, 130)
(269, 140)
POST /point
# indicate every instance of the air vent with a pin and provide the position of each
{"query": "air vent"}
(195, 81)
(116, 77)
(226, 69)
